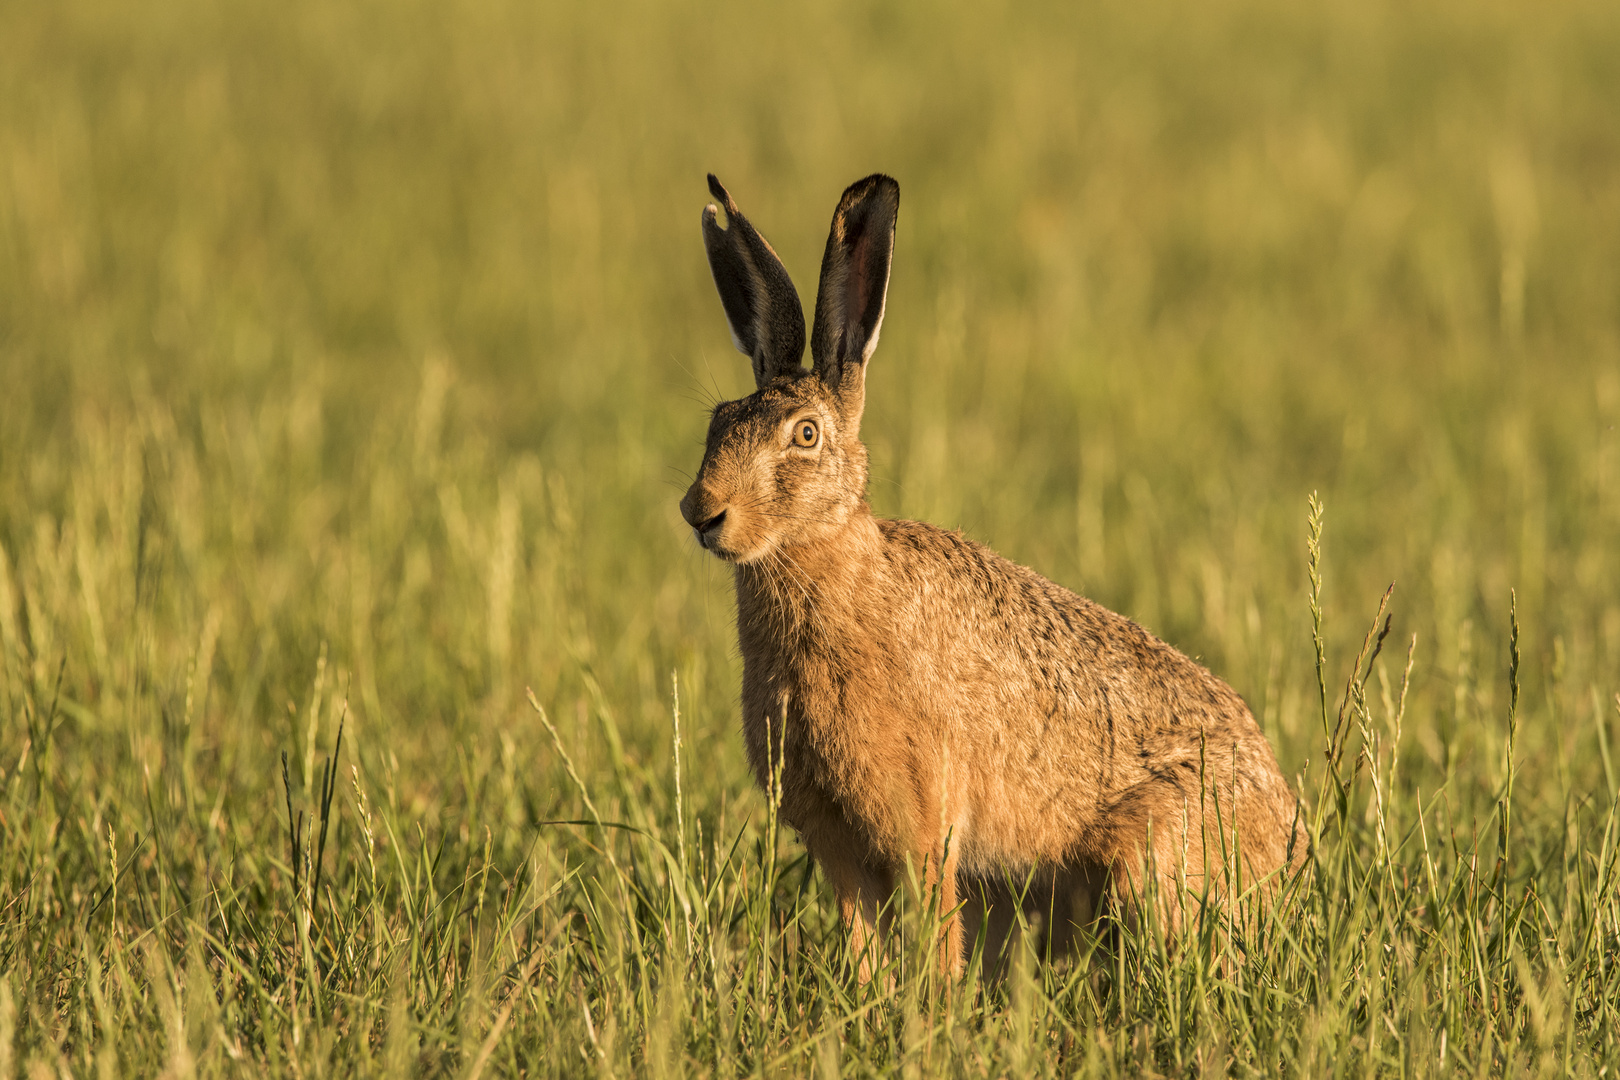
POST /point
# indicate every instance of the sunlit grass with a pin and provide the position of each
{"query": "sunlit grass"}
(354, 357)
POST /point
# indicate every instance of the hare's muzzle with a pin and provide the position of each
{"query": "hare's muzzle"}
(701, 512)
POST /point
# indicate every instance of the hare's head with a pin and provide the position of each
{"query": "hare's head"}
(785, 465)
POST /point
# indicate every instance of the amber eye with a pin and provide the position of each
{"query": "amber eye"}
(805, 433)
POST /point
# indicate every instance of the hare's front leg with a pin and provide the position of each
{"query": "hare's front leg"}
(862, 890)
(939, 882)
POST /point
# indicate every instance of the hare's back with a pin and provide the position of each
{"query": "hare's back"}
(1084, 665)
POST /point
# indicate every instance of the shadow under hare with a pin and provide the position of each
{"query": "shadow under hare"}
(930, 703)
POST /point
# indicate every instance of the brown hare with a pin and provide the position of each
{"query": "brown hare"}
(930, 702)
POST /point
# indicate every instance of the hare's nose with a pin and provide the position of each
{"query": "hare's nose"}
(698, 510)
(711, 525)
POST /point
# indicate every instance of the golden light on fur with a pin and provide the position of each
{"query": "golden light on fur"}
(936, 704)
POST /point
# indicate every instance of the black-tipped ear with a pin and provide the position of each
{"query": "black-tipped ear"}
(762, 306)
(854, 279)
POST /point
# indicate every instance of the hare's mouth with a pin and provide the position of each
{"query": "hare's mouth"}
(710, 538)
(728, 532)
(714, 546)
(715, 543)
(710, 542)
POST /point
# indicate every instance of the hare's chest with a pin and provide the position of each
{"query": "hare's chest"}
(838, 751)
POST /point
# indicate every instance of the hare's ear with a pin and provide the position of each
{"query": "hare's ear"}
(854, 283)
(762, 307)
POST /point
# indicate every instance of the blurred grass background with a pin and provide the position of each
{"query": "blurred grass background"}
(359, 351)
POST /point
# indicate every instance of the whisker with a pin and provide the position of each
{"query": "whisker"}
(788, 574)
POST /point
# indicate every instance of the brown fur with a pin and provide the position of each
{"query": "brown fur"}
(932, 701)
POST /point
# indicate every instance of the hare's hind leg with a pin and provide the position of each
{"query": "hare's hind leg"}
(1155, 853)
(1182, 837)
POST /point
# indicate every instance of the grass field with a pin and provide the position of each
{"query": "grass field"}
(354, 356)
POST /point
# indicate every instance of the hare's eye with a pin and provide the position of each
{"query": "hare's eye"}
(805, 433)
